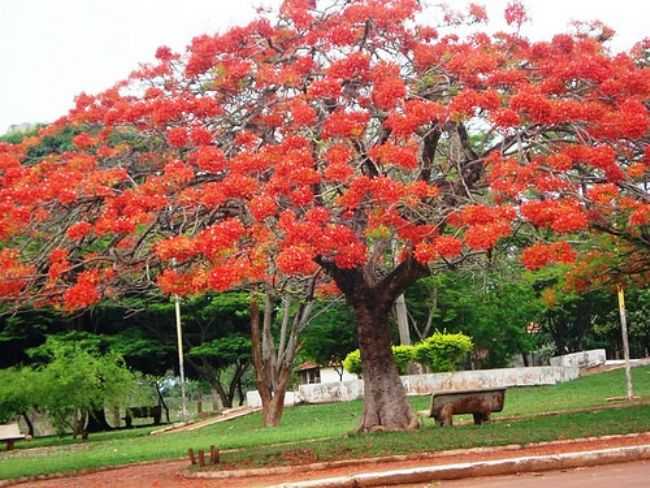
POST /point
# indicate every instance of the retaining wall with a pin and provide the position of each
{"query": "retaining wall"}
(582, 359)
(425, 384)
(253, 399)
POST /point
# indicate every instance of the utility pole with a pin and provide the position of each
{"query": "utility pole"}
(626, 344)
(181, 363)
(181, 360)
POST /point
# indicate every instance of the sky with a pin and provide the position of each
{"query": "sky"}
(52, 50)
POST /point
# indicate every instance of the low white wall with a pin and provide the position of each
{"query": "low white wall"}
(582, 359)
(253, 399)
(330, 375)
(425, 384)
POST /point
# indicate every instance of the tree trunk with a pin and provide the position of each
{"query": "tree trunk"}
(385, 404)
(30, 424)
(272, 374)
(265, 390)
(79, 421)
(97, 421)
(161, 400)
(240, 393)
(224, 398)
(401, 312)
(273, 410)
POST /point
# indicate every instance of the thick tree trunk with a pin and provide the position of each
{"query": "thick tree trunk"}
(385, 403)
(372, 298)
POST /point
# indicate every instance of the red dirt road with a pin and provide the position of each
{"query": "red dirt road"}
(167, 474)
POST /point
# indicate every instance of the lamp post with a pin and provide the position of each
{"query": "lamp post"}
(626, 344)
(181, 363)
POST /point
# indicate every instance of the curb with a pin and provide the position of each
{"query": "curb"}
(422, 456)
(477, 469)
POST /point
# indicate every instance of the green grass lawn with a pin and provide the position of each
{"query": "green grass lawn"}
(334, 421)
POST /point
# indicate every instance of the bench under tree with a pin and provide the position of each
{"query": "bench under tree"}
(9, 434)
(154, 412)
(479, 403)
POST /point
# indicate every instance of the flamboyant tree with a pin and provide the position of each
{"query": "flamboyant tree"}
(339, 140)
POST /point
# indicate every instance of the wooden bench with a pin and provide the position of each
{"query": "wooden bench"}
(9, 434)
(143, 412)
(480, 403)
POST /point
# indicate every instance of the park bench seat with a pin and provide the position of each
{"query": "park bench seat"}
(9, 434)
(143, 412)
(480, 403)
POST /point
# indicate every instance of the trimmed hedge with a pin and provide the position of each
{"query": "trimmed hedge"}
(441, 352)
(402, 355)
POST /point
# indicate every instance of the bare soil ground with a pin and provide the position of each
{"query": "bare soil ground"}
(169, 474)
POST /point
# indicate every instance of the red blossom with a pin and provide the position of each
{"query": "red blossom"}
(515, 13)
(177, 137)
(79, 230)
(539, 255)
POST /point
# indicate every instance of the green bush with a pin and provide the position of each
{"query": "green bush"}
(402, 355)
(443, 352)
(352, 362)
(20, 391)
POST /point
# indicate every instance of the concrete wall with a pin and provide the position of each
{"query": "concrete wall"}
(582, 359)
(253, 399)
(329, 375)
(426, 384)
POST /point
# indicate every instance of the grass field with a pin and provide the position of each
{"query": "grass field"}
(330, 424)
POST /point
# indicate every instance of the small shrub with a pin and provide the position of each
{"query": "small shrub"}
(443, 352)
(402, 355)
(352, 362)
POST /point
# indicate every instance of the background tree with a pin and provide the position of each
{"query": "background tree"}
(80, 381)
(230, 352)
(330, 337)
(22, 390)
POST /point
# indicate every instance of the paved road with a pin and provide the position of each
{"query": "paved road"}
(628, 475)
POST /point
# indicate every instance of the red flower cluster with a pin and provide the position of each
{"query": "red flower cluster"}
(539, 255)
(563, 216)
(447, 247)
(79, 230)
(401, 156)
(14, 275)
(345, 124)
(84, 292)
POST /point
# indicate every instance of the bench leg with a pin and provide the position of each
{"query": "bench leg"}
(481, 418)
(446, 416)
(10, 444)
